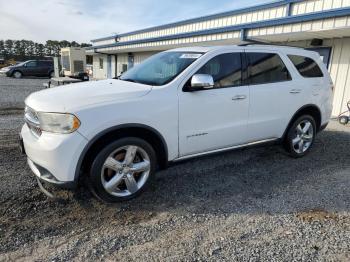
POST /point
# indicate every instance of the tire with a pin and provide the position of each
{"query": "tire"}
(300, 136)
(113, 176)
(17, 74)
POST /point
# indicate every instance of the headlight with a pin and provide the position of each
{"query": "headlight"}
(58, 123)
(5, 69)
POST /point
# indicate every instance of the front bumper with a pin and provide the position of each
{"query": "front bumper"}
(4, 73)
(53, 158)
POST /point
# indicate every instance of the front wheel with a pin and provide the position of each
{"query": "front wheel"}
(300, 136)
(17, 74)
(122, 169)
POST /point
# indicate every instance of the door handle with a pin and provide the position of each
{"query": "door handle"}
(239, 97)
(295, 91)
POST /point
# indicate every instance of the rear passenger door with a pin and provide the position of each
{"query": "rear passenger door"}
(43, 68)
(274, 96)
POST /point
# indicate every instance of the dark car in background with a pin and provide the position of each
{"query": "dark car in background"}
(30, 68)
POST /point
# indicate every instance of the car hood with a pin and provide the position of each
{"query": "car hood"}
(72, 97)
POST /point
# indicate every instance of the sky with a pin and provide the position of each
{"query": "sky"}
(83, 20)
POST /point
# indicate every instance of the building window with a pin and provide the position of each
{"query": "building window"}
(101, 63)
(266, 68)
(306, 66)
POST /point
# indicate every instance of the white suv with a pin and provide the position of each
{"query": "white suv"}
(176, 105)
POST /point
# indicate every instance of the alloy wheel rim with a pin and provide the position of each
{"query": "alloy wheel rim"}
(304, 134)
(17, 74)
(125, 171)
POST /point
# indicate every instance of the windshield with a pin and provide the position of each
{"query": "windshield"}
(21, 64)
(160, 69)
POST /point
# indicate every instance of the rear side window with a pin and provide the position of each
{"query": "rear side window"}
(266, 68)
(45, 63)
(226, 70)
(32, 64)
(306, 66)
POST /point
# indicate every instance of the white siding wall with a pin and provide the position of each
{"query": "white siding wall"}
(189, 41)
(97, 72)
(317, 6)
(307, 6)
(212, 23)
(121, 59)
(313, 26)
(104, 42)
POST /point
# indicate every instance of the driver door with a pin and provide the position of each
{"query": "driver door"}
(216, 118)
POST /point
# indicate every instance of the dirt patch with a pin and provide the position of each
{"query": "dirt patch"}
(316, 215)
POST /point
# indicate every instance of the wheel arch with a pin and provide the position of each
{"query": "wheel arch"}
(310, 109)
(149, 134)
(16, 70)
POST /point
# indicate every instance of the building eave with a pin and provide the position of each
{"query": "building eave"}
(273, 22)
(203, 18)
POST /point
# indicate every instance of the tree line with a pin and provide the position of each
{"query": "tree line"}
(21, 50)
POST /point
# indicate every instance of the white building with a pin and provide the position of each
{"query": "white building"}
(321, 25)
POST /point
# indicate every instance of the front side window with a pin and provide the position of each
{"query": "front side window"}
(226, 70)
(161, 68)
(31, 64)
(306, 66)
(266, 68)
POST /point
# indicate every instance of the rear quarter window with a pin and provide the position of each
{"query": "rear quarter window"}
(306, 66)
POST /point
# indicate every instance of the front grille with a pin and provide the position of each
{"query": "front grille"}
(32, 121)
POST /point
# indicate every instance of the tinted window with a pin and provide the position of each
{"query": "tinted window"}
(266, 68)
(31, 64)
(45, 63)
(306, 66)
(226, 70)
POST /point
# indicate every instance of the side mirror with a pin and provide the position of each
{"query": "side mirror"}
(200, 81)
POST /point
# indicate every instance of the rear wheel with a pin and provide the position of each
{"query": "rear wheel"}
(17, 74)
(122, 169)
(301, 136)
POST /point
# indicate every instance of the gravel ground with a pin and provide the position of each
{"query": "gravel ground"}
(249, 205)
(14, 91)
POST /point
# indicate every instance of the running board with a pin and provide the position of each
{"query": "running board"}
(225, 149)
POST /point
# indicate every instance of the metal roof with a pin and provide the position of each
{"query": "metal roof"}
(339, 12)
(204, 18)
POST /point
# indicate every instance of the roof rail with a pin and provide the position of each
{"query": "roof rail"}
(272, 44)
(253, 42)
